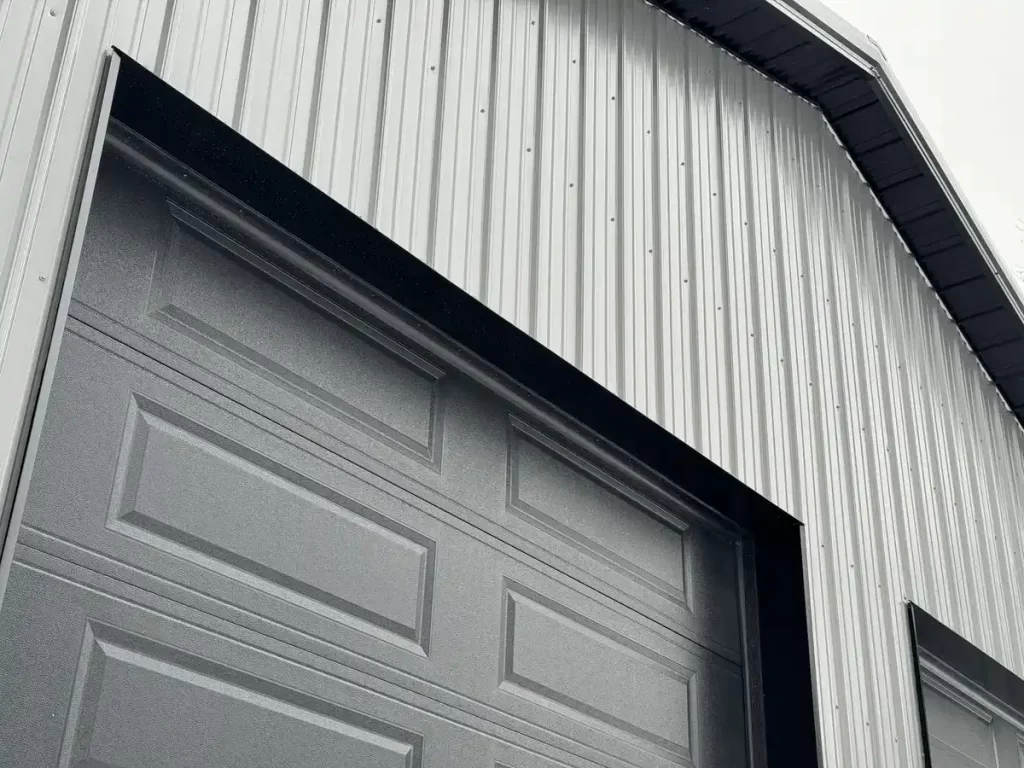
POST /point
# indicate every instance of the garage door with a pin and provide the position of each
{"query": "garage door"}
(263, 529)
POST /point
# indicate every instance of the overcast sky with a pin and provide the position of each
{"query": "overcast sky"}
(962, 67)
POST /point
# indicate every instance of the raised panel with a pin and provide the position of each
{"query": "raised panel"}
(140, 702)
(186, 485)
(962, 729)
(558, 491)
(183, 487)
(183, 286)
(945, 756)
(587, 671)
(208, 286)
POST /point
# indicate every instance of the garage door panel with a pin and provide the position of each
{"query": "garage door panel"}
(199, 292)
(156, 691)
(563, 658)
(563, 505)
(555, 489)
(171, 484)
(225, 505)
(200, 298)
(687, 574)
(203, 494)
(508, 731)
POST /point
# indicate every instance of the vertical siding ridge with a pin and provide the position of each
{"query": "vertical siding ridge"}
(537, 169)
(765, 485)
(430, 255)
(620, 244)
(243, 80)
(12, 108)
(798, 503)
(657, 193)
(581, 181)
(378, 136)
(730, 457)
(165, 37)
(697, 428)
(319, 67)
(492, 112)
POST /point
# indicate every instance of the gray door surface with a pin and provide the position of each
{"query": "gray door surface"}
(964, 732)
(262, 529)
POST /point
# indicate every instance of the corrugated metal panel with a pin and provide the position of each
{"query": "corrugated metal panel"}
(684, 230)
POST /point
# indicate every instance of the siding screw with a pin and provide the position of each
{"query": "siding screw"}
(53, 12)
(528, 149)
(433, 68)
(481, 111)
(378, 21)
(42, 278)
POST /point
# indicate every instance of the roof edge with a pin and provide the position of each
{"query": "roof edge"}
(811, 50)
(830, 27)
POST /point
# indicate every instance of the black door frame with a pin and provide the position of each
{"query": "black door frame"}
(136, 102)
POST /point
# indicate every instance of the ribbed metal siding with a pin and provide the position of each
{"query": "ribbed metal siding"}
(685, 231)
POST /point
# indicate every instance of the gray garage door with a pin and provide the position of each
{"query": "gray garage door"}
(964, 731)
(262, 530)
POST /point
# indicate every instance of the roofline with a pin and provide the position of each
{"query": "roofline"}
(832, 28)
(811, 50)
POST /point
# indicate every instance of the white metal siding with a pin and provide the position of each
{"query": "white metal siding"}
(687, 232)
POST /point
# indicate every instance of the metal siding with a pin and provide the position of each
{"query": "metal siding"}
(685, 231)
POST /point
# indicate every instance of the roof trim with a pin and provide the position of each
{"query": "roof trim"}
(811, 50)
(162, 116)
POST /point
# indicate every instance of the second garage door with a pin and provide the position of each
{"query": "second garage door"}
(263, 529)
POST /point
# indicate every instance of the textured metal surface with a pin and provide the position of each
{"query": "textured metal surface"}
(238, 438)
(684, 230)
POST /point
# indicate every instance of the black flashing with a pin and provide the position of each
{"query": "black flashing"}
(160, 114)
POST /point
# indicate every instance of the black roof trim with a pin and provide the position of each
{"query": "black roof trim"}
(825, 55)
(158, 113)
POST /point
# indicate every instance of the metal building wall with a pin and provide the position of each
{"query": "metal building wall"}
(687, 232)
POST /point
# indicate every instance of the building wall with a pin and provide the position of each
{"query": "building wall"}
(685, 231)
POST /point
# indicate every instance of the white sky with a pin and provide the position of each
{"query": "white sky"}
(961, 65)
